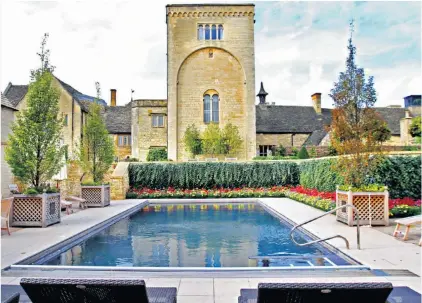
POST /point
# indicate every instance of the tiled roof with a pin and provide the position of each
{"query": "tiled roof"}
(6, 102)
(304, 120)
(15, 93)
(118, 119)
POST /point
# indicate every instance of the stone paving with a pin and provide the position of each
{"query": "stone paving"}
(379, 251)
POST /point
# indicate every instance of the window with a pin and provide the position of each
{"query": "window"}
(210, 32)
(266, 150)
(124, 140)
(200, 32)
(157, 121)
(211, 108)
(65, 119)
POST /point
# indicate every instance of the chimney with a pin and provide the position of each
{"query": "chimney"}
(113, 97)
(262, 94)
(407, 113)
(316, 101)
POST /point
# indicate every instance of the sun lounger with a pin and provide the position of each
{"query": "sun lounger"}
(14, 189)
(94, 290)
(318, 292)
(11, 299)
(408, 222)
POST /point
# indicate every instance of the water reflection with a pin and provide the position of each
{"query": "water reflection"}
(187, 235)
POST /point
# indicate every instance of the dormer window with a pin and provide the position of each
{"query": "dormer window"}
(210, 32)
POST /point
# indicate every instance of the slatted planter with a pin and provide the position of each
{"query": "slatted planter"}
(372, 207)
(36, 210)
(96, 196)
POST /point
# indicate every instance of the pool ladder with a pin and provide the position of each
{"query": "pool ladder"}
(329, 238)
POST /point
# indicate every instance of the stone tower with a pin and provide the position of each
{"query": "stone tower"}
(210, 72)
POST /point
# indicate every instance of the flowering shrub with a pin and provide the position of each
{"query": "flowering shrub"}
(245, 192)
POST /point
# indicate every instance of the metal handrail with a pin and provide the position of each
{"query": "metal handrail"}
(329, 238)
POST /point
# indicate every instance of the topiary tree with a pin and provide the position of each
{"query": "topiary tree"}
(355, 123)
(231, 139)
(157, 154)
(96, 153)
(212, 142)
(192, 140)
(303, 153)
(33, 150)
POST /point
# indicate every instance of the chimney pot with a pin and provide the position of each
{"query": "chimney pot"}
(316, 102)
(113, 94)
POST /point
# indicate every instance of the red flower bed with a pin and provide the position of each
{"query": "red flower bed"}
(404, 201)
(313, 193)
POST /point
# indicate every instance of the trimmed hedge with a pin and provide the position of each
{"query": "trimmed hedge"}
(402, 175)
(210, 174)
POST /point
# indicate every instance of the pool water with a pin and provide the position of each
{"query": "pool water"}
(231, 235)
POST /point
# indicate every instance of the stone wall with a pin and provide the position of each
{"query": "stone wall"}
(119, 181)
(7, 117)
(121, 151)
(144, 134)
(225, 66)
(286, 140)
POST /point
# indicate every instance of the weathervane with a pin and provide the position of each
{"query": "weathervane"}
(131, 94)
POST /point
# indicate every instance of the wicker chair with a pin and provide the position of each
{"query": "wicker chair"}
(319, 292)
(44, 290)
(12, 299)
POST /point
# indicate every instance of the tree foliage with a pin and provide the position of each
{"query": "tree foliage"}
(415, 127)
(212, 140)
(357, 131)
(33, 151)
(303, 153)
(157, 154)
(192, 140)
(96, 152)
(231, 139)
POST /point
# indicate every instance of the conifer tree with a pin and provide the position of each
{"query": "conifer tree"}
(33, 150)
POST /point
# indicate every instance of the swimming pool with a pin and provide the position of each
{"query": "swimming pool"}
(197, 235)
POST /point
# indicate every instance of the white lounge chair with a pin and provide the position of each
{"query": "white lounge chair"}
(408, 222)
(14, 189)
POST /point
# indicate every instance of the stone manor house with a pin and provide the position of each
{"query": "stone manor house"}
(210, 78)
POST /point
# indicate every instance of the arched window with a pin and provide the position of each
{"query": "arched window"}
(211, 107)
(215, 116)
(200, 32)
(220, 32)
(207, 109)
(207, 32)
(214, 32)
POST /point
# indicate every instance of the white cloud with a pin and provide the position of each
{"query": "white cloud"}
(123, 46)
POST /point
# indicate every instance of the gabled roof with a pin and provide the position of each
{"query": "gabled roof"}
(6, 103)
(15, 93)
(118, 119)
(316, 137)
(392, 116)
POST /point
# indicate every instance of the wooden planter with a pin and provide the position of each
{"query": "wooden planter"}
(372, 207)
(36, 210)
(96, 196)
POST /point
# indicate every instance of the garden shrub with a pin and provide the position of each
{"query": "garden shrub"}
(401, 211)
(272, 158)
(157, 154)
(213, 174)
(402, 175)
(303, 153)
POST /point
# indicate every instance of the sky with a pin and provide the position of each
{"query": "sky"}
(300, 47)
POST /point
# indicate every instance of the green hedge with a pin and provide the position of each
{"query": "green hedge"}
(211, 174)
(402, 175)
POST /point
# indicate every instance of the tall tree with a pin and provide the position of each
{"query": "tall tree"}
(97, 149)
(33, 151)
(356, 129)
(231, 139)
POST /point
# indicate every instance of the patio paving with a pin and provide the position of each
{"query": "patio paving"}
(379, 250)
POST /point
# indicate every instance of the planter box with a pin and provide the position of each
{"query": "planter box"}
(96, 196)
(36, 210)
(372, 207)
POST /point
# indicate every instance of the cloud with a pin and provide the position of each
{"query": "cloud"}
(300, 47)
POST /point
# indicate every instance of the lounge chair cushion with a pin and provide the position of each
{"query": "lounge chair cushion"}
(84, 290)
(324, 292)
